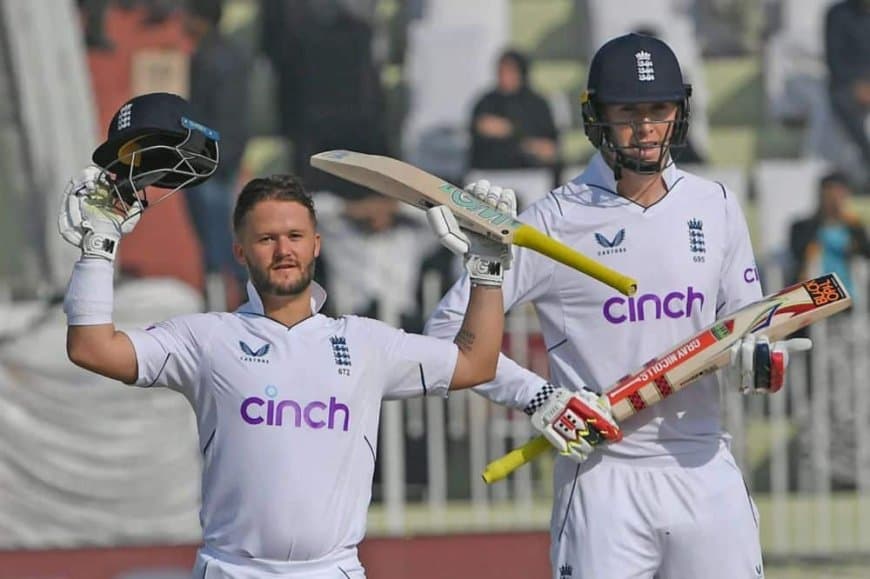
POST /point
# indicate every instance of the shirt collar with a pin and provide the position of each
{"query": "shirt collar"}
(254, 305)
(599, 174)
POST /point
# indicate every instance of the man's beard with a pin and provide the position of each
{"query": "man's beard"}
(260, 280)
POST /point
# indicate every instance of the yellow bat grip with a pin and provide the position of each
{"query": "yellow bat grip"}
(501, 467)
(528, 236)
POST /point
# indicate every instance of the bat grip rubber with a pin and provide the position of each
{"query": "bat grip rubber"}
(528, 236)
(500, 468)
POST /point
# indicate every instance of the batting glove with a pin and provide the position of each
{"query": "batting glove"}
(485, 259)
(576, 422)
(91, 217)
(759, 366)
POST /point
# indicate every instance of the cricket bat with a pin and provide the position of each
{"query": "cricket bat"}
(407, 183)
(775, 316)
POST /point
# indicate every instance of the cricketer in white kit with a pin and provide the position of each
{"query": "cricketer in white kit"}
(288, 426)
(667, 501)
(287, 400)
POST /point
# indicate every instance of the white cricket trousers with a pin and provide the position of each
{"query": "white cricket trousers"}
(682, 518)
(214, 564)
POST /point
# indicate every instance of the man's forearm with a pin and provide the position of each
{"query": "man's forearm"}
(480, 336)
(92, 340)
(514, 386)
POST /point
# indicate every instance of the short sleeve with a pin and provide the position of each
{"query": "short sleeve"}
(415, 365)
(170, 353)
(739, 283)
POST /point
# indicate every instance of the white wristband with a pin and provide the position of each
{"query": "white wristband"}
(89, 296)
(484, 270)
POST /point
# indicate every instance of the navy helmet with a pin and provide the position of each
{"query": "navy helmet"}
(634, 68)
(153, 140)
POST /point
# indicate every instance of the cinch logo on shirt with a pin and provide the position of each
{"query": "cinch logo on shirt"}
(676, 304)
(750, 274)
(315, 414)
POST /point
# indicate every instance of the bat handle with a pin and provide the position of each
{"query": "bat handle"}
(528, 236)
(500, 468)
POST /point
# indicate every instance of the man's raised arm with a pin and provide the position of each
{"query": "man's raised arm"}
(91, 219)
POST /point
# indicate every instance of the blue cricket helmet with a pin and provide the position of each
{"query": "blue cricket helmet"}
(634, 68)
(153, 140)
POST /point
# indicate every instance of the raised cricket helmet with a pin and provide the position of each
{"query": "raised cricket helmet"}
(637, 69)
(155, 141)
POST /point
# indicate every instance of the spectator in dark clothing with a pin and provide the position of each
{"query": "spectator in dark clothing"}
(329, 89)
(278, 44)
(339, 100)
(331, 98)
(95, 24)
(219, 72)
(847, 51)
(829, 240)
(512, 126)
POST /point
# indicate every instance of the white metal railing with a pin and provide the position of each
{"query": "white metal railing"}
(805, 452)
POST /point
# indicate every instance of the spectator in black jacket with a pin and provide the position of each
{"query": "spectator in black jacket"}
(95, 24)
(512, 126)
(219, 72)
(847, 45)
(830, 239)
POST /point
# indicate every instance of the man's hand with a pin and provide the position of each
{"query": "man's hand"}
(92, 218)
(494, 126)
(485, 259)
(575, 422)
(759, 366)
(542, 149)
(861, 91)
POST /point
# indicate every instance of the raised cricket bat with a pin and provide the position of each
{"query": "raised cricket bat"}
(775, 316)
(407, 183)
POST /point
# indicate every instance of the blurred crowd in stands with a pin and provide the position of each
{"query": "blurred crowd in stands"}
(327, 60)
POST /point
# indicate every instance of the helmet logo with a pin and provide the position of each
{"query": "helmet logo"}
(645, 70)
(125, 117)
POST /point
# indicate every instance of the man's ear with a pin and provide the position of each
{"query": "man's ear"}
(238, 253)
(316, 245)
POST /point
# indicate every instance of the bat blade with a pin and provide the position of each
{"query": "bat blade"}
(412, 185)
(775, 316)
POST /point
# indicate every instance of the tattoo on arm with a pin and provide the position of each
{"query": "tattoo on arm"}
(464, 339)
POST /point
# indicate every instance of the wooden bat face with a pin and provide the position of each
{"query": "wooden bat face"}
(775, 316)
(407, 183)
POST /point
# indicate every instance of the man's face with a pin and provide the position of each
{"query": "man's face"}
(509, 77)
(278, 244)
(640, 129)
(835, 197)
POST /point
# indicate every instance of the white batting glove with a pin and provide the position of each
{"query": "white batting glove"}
(759, 366)
(91, 217)
(485, 259)
(576, 422)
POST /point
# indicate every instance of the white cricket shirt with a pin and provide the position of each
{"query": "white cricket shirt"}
(288, 419)
(692, 257)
